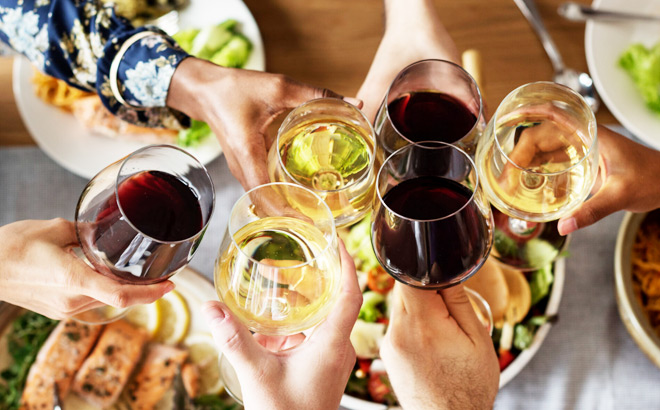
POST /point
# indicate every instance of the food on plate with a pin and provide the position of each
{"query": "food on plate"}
(91, 113)
(126, 356)
(646, 268)
(490, 283)
(57, 362)
(56, 92)
(155, 376)
(103, 375)
(643, 65)
(517, 299)
(24, 339)
(139, 12)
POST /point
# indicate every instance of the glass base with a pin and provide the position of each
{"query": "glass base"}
(230, 379)
(101, 315)
(526, 245)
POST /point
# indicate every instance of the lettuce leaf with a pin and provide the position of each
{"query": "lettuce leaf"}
(643, 65)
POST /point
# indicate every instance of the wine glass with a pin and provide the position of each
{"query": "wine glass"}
(430, 100)
(537, 161)
(141, 219)
(327, 145)
(431, 225)
(278, 268)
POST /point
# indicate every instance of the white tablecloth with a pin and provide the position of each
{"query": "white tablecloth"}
(588, 360)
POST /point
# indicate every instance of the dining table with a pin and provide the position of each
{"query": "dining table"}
(588, 360)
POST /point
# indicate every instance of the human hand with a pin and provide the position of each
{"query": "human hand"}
(413, 32)
(627, 180)
(239, 105)
(312, 375)
(41, 273)
(437, 353)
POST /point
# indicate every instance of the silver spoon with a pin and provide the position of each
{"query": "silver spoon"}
(578, 12)
(579, 82)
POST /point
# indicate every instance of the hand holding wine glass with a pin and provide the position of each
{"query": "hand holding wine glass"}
(141, 219)
(40, 273)
(627, 181)
(437, 353)
(313, 374)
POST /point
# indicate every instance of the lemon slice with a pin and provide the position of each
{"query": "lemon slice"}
(205, 355)
(176, 319)
(148, 317)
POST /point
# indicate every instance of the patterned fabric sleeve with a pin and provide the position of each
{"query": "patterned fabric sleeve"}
(77, 41)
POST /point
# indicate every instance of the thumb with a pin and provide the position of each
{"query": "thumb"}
(605, 202)
(232, 337)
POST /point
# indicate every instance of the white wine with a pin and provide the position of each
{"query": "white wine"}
(541, 170)
(283, 279)
(331, 157)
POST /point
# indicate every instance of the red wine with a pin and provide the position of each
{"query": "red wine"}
(431, 116)
(424, 248)
(160, 205)
(163, 208)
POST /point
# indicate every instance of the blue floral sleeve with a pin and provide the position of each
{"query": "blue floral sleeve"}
(78, 40)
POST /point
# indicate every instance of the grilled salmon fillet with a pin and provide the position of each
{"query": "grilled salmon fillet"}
(155, 377)
(57, 362)
(104, 374)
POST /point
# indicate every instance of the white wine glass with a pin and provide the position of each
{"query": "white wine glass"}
(141, 219)
(278, 268)
(537, 161)
(327, 146)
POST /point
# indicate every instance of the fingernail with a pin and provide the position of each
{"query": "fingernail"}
(213, 312)
(566, 226)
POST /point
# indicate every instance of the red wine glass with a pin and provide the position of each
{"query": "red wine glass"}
(431, 225)
(141, 219)
(430, 100)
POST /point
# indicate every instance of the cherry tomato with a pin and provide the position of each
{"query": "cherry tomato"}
(505, 358)
(379, 281)
(379, 388)
(365, 365)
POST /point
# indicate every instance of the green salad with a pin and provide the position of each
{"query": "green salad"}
(221, 44)
(643, 65)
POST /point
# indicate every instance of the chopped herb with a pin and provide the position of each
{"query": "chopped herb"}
(87, 387)
(109, 350)
(73, 336)
(28, 333)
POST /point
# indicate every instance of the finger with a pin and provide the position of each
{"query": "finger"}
(279, 343)
(62, 232)
(339, 323)
(88, 282)
(91, 304)
(418, 302)
(232, 337)
(605, 202)
(459, 307)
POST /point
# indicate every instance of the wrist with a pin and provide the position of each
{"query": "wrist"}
(191, 83)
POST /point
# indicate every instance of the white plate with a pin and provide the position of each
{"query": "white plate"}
(604, 44)
(63, 139)
(353, 403)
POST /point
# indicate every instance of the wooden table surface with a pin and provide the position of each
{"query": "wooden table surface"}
(331, 43)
